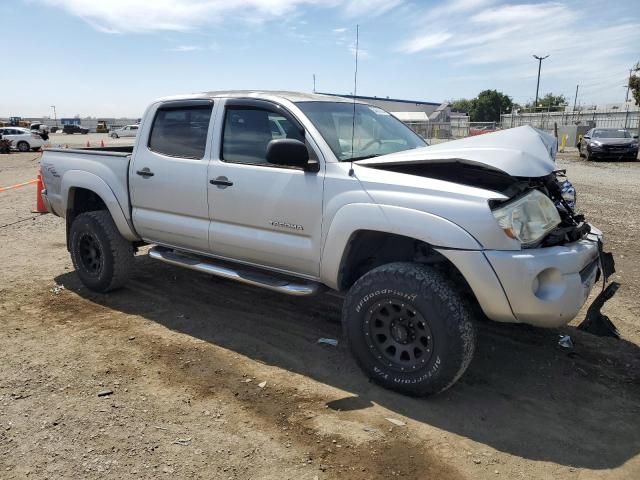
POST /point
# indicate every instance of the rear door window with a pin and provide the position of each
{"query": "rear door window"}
(181, 131)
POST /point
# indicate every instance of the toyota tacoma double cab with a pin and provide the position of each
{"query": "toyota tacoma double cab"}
(300, 193)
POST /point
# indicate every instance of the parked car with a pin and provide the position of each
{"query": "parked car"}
(609, 143)
(126, 131)
(22, 138)
(41, 129)
(419, 239)
(71, 129)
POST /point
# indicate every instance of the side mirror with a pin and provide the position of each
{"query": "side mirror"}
(586, 137)
(288, 152)
(635, 136)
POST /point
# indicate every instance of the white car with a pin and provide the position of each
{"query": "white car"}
(22, 138)
(126, 131)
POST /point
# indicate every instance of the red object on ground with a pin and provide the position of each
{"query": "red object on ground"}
(88, 144)
(101, 143)
(40, 207)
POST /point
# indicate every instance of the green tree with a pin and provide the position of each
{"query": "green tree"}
(486, 107)
(462, 105)
(489, 105)
(634, 83)
(549, 102)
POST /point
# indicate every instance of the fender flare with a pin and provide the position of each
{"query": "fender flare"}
(89, 181)
(349, 219)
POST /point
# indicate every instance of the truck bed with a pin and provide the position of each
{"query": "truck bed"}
(91, 168)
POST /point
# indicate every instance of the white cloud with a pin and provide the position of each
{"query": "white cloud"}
(185, 48)
(361, 8)
(500, 39)
(339, 30)
(425, 42)
(456, 7)
(141, 16)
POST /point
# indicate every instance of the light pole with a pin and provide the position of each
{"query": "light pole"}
(538, 84)
(54, 114)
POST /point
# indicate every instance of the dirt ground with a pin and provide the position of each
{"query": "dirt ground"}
(186, 357)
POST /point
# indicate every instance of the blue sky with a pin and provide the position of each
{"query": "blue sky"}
(112, 57)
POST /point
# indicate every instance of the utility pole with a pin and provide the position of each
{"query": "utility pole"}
(538, 84)
(55, 117)
(314, 83)
(575, 99)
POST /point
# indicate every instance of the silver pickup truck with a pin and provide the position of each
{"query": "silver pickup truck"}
(297, 193)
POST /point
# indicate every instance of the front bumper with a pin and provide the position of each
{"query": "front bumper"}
(546, 287)
(629, 152)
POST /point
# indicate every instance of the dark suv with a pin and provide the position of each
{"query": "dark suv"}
(611, 143)
(75, 129)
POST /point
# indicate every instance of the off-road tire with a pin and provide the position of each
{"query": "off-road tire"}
(580, 152)
(114, 251)
(444, 314)
(23, 146)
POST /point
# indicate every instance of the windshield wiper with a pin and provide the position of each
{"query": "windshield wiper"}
(363, 157)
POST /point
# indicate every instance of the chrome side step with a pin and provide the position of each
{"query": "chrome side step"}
(257, 279)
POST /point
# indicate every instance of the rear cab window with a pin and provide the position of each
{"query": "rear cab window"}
(181, 131)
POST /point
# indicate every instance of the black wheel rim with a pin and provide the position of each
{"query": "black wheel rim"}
(91, 254)
(398, 335)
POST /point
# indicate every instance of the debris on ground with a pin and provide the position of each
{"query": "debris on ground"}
(328, 341)
(565, 341)
(262, 384)
(596, 322)
(396, 422)
(57, 289)
(183, 441)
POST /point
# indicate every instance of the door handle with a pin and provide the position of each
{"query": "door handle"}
(221, 182)
(145, 172)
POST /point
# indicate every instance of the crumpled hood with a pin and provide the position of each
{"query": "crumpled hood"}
(519, 152)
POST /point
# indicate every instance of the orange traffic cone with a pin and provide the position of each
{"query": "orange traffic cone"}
(40, 207)
(101, 143)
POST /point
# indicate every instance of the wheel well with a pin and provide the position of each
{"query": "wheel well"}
(82, 200)
(369, 249)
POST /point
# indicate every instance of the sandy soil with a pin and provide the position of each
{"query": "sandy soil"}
(186, 355)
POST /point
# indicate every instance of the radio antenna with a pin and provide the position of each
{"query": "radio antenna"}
(355, 91)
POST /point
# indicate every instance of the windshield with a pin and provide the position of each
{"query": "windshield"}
(376, 132)
(602, 133)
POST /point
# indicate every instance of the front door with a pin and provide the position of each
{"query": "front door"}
(168, 176)
(262, 213)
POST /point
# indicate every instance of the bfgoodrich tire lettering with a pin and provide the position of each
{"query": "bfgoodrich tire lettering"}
(101, 256)
(430, 339)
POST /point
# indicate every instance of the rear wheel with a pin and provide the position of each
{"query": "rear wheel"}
(409, 329)
(101, 256)
(23, 146)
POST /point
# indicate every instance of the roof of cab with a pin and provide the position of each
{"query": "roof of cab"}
(261, 94)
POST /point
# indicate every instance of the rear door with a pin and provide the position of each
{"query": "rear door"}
(168, 176)
(261, 213)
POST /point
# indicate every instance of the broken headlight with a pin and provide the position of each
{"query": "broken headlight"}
(529, 218)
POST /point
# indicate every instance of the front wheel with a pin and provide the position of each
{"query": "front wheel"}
(101, 256)
(409, 328)
(114, 135)
(23, 146)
